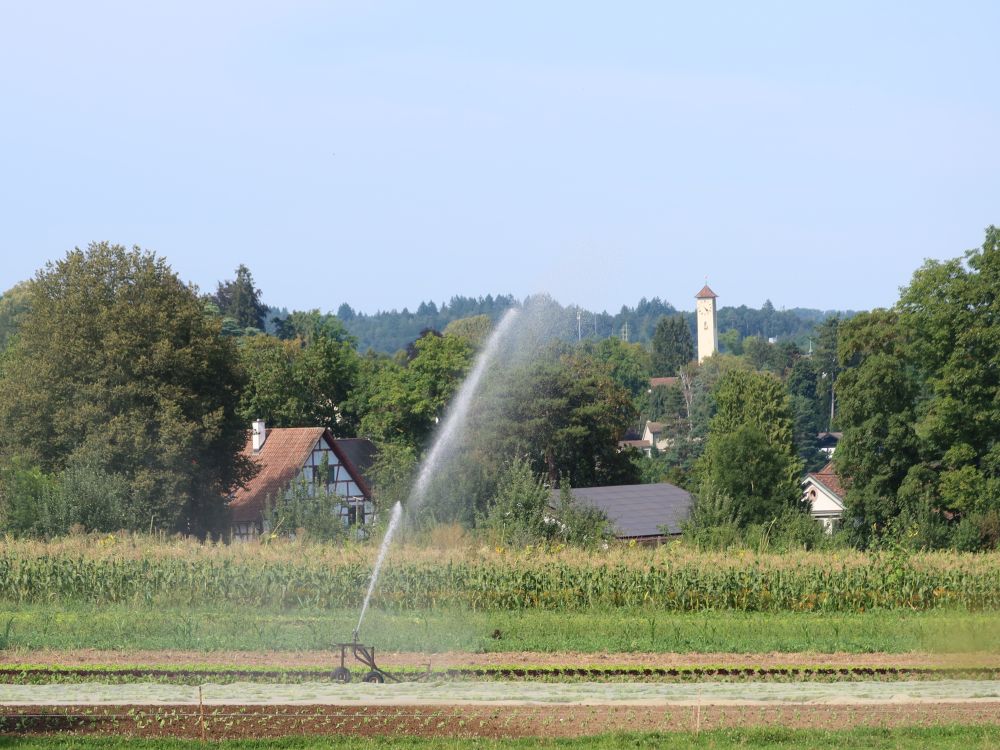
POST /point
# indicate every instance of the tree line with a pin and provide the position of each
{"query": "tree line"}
(125, 397)
(391, 330)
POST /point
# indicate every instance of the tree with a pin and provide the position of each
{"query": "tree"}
(566, 416)
(672, 346)
(239, 300)
(919, 400)
(749, 457)
(475, 330)
(117, 367)
(295, 383)
(403, 401)
(751, 473)
(13, 305)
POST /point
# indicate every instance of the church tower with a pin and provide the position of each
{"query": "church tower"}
(708, 327)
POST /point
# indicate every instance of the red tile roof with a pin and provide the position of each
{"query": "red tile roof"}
(705, 293)
(829, 479)
(280, 459)
(657, 382)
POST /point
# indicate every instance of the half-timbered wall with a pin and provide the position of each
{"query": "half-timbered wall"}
(354, 509)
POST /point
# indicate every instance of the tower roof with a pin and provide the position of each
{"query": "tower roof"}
(705, 293)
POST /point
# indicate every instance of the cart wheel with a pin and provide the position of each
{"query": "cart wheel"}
(341, 674)
(374, 677)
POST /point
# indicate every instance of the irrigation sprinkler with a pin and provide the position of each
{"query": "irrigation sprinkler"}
(364, 654)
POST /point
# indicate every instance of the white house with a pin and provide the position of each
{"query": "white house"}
(653, 434)
(824, 492)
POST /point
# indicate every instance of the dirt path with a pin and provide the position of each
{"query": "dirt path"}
(452, 693)
(389, 660)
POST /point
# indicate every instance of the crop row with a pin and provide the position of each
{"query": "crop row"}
(49, 675)
(498, 585)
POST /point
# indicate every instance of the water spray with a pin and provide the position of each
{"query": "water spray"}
(446, 437)
(397, 513)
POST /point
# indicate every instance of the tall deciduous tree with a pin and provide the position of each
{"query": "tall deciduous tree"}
(117, 367)
(566, 416)
(672, 346)
(750, 457)
(297, 383)
(920, 400)
(404, 400)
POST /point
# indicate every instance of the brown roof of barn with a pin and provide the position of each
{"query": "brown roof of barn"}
(827, 476)
(280, 460)
(705, 293)
(655, 427)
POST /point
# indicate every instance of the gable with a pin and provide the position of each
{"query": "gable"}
(289, 453)
(821, 498)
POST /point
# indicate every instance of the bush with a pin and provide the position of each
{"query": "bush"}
(517, 513)
(84, 496)
(582, 525)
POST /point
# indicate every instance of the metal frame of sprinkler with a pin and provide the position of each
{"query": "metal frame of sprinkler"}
(365, 655)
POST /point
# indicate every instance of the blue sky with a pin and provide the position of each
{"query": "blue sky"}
(381, 154)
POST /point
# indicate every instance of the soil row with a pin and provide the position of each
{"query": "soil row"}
(471, 720)
(455, 659)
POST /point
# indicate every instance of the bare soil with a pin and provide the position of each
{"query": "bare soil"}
(451, 659)
(474, 720)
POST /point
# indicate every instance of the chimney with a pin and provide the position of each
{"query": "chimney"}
(259, 435)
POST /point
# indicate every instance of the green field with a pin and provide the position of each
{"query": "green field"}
(130, 627)
(937, 738)
(672, 578)
(138, 592)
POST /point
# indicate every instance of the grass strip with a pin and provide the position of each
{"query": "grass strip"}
(600, 630)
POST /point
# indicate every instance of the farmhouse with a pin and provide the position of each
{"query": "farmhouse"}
(287, 454)
(824, 493)
(647, 513)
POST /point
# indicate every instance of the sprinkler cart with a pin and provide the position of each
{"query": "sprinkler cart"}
(365, 655)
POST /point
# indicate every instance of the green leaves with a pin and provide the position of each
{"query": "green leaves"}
(920, 402)
(749, 472)
(117, 366)
(672, 346)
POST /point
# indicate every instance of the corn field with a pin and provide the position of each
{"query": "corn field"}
(148, 572)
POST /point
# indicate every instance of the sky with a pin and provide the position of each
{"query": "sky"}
(383, 154)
